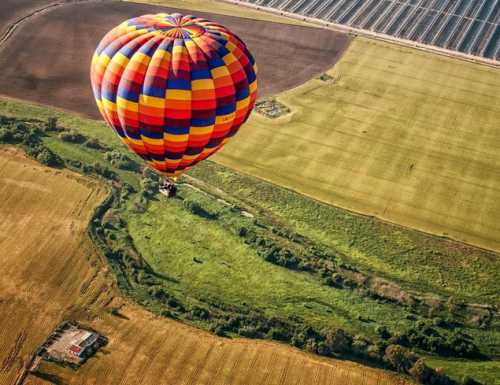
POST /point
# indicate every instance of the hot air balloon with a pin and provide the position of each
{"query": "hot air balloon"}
(175, 88)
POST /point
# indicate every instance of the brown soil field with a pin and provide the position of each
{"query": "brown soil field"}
(14, 10)
(50, 271)
(47, 59)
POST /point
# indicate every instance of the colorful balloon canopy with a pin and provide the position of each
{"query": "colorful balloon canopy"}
(175, 88)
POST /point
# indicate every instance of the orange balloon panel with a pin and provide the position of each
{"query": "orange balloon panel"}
(175, 88)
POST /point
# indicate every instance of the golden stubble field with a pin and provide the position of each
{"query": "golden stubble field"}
(405, 135)
(50, 271)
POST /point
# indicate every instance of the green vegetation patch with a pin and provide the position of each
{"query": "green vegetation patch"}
(415, 260)
(208, 261)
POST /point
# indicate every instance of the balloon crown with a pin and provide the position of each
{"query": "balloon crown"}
(175, 25)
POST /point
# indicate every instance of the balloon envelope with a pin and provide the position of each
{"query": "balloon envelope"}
(175, 88)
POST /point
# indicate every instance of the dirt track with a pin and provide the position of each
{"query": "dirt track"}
(13, 10)
(47, 59)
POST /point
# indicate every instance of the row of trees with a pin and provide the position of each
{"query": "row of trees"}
(29, 135)
(425, 336)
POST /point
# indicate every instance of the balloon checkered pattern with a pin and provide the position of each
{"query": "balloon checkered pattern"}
(175, 88)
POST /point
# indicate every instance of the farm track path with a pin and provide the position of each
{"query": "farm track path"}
(12, 27)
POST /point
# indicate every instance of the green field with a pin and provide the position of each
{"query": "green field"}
(206, 261)
(408, 136)
(485, 371)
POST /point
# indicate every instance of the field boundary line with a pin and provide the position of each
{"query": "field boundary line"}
(374, 35)
(13, 26)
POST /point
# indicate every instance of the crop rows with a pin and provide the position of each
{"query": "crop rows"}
(467, 26)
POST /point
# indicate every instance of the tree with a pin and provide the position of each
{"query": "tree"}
(121, 161)
(383, 332)
(49, 158)
(338, 341)
(360, 346)
(400, 358)
(421, 372)
(51, 124)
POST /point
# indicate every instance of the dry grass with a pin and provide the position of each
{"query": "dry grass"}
(45, 274)
(50, 271)
(407, 136)
(223, 8)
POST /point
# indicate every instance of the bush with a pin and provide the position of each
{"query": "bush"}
(335, 280)
(278, 334)
(6, 135)
(150, 185)
(375, 352)
(74, 163)
(250, 331)
(99, 169)
(51, 124)
(96, 144)
(426, 337)
(421, 372)
(197, 209)
(438, 321)
(139, 207)
(383, 332)
(219, 330)
(72, 137)
(121, 161)
(198, 313)
(16, 132)
(360, 346)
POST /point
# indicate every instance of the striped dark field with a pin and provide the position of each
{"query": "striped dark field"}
(467, 26)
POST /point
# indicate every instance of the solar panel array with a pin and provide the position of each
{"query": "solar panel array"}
(468, 26)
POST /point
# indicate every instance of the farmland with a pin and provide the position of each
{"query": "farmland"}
(36, 65)
(406, 136)
(223, 8)
(56, 273)
(205, 273)
(45, 272)
(266, 242)
(468, 26)
(15, 10)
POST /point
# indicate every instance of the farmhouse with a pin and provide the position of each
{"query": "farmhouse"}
(71, 344)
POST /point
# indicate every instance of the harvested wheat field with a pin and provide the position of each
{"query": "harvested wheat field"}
(45, 273)
(47, 59)
(49, 271)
